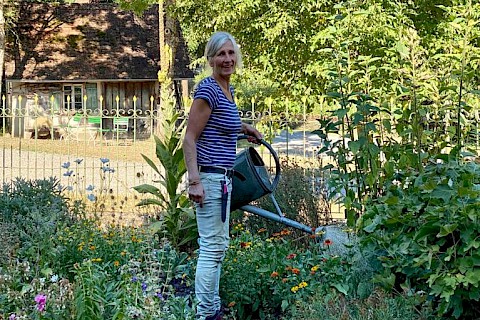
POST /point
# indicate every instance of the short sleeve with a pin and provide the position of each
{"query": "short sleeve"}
(207, 92)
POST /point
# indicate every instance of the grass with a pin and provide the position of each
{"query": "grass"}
(128, 150)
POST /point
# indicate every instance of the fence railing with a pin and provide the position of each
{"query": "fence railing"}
(97, 155)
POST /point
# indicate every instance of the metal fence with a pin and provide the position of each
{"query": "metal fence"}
(97, 155)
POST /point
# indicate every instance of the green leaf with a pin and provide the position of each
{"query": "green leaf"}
(402, 49)
(285, 305)
(447, 229)
(341, 287)
(156, 226)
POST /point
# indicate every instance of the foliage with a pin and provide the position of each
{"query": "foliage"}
(294, 44)
(177, 221)
(395, 115)
(265, 277)
(378, 306)
(155, 285)
(425, 232)
(113, 272)
(92, 273)
(87, 240)
(35, 210)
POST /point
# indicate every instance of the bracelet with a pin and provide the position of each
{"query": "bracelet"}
(194, 182)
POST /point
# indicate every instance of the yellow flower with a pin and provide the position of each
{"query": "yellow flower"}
(92, 247)
(97, 260)
(294, 289)
(302, 284)
(116, 263)
(315, 268)
(123, 253)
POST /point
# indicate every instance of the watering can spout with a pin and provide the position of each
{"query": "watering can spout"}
(282, 219)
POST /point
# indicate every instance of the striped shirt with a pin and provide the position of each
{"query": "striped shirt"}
(217, 145)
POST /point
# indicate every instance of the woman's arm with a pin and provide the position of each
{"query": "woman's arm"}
(197, 120)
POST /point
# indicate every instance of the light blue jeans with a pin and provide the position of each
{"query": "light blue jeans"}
(213, 240)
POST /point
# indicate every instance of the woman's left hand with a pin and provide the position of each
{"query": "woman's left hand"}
(254, 136)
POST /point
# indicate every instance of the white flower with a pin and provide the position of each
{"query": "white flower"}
(54, 278)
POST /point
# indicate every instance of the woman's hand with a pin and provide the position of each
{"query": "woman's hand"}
(254, 136)
(196, 193)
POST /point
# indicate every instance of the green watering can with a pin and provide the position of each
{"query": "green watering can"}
(252, 181)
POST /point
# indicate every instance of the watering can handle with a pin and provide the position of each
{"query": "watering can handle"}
(275, 158)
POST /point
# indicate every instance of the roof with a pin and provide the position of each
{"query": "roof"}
(86, 41)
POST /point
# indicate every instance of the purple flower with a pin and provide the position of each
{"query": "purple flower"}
(134, 279)
(13, 316)
(144, 286)
(68, 173)
(41, 301)
(78, 161)
(160, 296)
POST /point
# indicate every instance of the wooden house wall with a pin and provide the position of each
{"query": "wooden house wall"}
(125, 91)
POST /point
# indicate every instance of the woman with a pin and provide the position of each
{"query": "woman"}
(210, 149)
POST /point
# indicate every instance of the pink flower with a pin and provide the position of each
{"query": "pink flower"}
(41, 301)
(13, 316)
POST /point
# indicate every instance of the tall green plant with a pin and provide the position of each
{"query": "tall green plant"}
(424, 230)
(176, 217)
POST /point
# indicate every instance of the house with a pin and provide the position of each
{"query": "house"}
(85, 58)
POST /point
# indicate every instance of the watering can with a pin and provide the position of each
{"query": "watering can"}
(253, 181)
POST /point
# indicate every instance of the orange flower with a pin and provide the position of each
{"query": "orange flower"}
(284, 280)
(245, 244)
(274, 274)
(296, 270)
(291, 256)
(327, 242)
(116, 263)
(231, 304)
(261, 230)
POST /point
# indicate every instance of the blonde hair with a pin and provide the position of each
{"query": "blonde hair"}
(217, 40)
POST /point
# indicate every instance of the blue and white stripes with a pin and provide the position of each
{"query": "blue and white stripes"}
(217, 144)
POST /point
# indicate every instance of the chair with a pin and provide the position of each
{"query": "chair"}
(69, 131)
(96, 122)
(120, 126)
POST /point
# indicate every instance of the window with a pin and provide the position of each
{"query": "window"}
(73, 96)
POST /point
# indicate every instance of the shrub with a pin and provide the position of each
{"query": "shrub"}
(34, 210)
(425, 232)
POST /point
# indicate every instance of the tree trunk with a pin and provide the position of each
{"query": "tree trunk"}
(2, 45)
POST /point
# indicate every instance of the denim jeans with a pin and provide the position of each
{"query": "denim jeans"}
(213, 241)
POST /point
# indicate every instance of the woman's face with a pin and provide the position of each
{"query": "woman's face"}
(224, 61)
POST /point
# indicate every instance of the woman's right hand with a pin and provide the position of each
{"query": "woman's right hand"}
(196, 193)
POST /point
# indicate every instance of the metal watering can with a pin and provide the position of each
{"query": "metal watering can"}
(252, 181)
